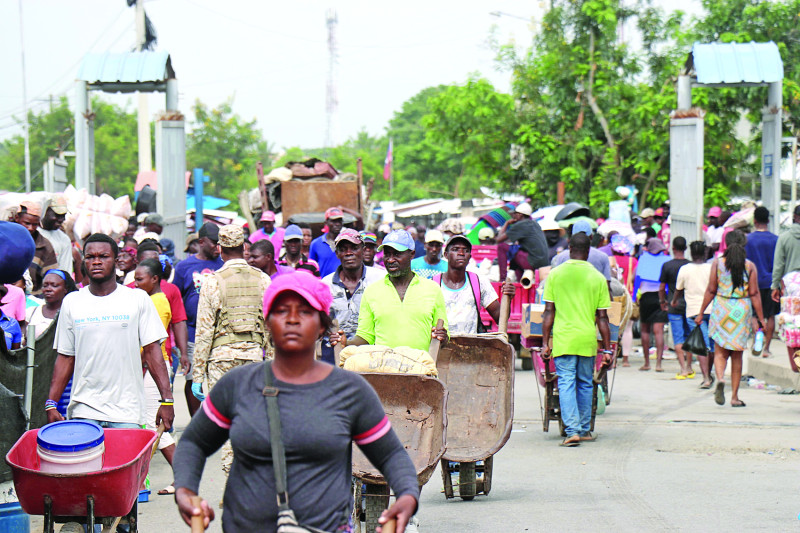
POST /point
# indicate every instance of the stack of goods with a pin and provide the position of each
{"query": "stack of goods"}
(96, 214)
(789, 318)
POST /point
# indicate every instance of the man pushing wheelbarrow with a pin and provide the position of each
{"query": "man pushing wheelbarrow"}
(576, 299)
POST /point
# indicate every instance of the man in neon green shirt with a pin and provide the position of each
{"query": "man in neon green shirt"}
(401, 309)
(576, 298)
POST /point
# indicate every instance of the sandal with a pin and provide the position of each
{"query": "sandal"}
(706, 385)
(719, 394)
(167, 491)
(739, 404)
(571, 442)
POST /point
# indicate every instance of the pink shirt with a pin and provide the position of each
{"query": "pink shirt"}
(13, 303)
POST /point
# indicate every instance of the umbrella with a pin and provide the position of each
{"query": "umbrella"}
(567, 222)
(572, 210)
(623, 228)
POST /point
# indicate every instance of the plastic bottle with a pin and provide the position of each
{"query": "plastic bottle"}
(758, 345)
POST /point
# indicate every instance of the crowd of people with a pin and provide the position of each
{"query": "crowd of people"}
(129, 316)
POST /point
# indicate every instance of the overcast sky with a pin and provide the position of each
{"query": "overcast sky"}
(270, 57)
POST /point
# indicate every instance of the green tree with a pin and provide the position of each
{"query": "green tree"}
(476, 123)
(53, 131)
(227, 148)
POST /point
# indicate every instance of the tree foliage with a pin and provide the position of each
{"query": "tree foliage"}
(53, 131)
(226, 147)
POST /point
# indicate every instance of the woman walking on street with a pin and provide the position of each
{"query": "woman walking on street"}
(323, 410)
(147, 277)
(733, 286)
(652, 318)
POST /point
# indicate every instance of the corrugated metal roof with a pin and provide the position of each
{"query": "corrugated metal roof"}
(737, 62)
(130, 67)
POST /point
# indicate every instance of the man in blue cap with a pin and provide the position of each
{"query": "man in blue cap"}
(294, 256)
(598, 259)
(403, 308)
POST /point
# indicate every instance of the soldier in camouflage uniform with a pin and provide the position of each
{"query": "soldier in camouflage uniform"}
(230, 319)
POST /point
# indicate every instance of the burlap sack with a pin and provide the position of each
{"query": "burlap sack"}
(400, 360)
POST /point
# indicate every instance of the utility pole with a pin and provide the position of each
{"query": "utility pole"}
(331, 100)
(25, 106)
(145, 157)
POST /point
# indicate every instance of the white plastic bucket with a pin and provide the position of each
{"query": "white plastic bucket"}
(89, 460)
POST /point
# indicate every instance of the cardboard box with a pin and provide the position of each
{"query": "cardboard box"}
(615, 313)
(532, 320)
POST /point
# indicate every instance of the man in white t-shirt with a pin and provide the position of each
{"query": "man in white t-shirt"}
(466, 292)
(101, 329)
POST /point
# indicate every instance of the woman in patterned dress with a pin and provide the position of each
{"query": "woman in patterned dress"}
(733, 286)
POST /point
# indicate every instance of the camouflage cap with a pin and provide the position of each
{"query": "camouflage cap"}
(231, 236)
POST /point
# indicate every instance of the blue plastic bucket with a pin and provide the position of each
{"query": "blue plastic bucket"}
(70, 446)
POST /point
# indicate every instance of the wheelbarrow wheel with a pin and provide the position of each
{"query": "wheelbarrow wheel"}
(466, 481)
(527, 363)
(377, 501)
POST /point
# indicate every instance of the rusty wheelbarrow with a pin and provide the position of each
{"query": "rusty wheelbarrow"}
(479, 373)
(417, 408)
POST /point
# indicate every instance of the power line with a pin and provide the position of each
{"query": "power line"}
(72, 68)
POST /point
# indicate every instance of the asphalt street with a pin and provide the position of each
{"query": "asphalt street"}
(667, 458)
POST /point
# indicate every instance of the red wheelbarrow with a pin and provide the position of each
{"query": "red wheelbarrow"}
(91, 497)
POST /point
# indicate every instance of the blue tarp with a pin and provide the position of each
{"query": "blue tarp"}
(209, 202)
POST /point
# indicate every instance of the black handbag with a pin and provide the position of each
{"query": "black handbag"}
(287, 522)
(695, 342)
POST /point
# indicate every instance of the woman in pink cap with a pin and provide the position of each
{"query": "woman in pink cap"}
(323, 409)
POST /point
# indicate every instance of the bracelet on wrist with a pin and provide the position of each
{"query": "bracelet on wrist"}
(50, 403)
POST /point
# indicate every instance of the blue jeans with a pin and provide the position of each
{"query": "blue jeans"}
(575, 388)
(112, 425)
(679, 327)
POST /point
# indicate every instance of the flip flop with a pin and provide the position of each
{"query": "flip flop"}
(691, 376)
(644, 369)
(167, 491)
(571, 442)
(740, 404)
(659, 369)
(679, 376)
(706, 385)
(589, 437)
(719, 394)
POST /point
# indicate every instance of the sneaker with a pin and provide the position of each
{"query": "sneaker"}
(413, 525)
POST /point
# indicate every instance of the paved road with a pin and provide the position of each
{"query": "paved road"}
(667, 459)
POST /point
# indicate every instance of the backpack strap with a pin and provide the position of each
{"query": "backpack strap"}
(475, 283)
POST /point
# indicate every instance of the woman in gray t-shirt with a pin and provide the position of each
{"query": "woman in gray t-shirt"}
(323, 410)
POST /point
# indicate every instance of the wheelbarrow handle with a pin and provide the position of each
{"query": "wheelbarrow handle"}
(338, 348)
(161, 429)
(390, 526)
(435, 343)
(505, 303)
(198, 521)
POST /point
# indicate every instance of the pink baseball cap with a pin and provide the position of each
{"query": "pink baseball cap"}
(715, 211)
(333, 212)
(312, 289)
(267, 216)
(348, 234)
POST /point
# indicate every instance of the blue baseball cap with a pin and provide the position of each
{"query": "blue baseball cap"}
(582, 226)
(399, 239)
(293, 231)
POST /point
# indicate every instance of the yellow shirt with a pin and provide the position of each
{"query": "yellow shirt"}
(165, 314)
